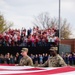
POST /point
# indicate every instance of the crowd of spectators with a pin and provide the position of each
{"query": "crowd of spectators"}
(31, 37)
(8, 58)
(69, 58)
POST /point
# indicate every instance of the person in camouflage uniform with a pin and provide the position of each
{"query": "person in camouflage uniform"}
(55, 59)
(25, 60)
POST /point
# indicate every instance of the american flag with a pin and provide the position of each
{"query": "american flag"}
(27, 70)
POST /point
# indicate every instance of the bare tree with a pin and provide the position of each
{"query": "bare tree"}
(44, 21)
(65, 29)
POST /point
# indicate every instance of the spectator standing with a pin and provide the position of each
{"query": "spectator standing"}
(46, 57)
(36, 59)
(12, 61)
(17, 58)
(66, 58)
(32, 57)
(40, 59)
(70, 59)
(7, 58)
(74, 59)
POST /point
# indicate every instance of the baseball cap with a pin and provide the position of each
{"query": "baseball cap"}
(53, 49)
(24, 49)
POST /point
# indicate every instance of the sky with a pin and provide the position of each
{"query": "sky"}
(22, 12)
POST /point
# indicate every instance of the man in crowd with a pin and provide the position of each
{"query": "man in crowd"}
(55, 59)
(25, 60)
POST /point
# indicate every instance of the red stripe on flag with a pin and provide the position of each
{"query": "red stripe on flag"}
(31, 69)
(55, 71)
(43, 72)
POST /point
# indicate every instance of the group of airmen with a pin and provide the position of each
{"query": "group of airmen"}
(55, 59)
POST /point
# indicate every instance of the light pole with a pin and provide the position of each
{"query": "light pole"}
(59, 27)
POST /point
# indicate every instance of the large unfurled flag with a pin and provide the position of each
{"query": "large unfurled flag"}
(27, 70)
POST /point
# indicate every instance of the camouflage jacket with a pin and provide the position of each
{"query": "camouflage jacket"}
(26, 61)
(56, 61)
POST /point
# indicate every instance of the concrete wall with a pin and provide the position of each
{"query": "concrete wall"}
(64, 48)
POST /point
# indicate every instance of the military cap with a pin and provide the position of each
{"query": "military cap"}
(24, 49)
(53, 49)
